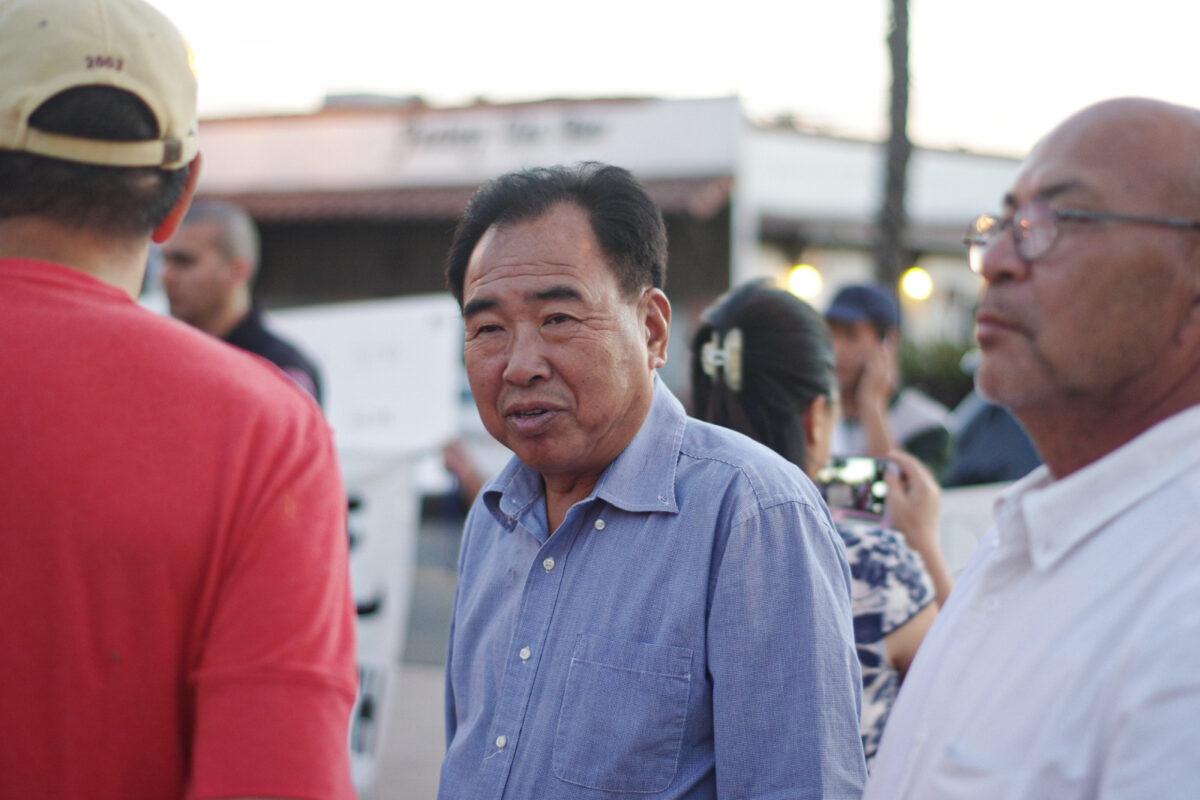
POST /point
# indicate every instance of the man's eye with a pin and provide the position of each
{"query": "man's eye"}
(485, 329)
(179, 260)
(557, 319)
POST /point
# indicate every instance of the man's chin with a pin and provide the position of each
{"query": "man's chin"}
(549, 457)
(1001, 384)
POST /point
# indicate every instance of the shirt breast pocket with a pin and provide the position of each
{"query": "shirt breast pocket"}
(620, 728)
(961, 773)
(970, 773)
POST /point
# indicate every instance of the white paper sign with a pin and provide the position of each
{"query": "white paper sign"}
(391, 369)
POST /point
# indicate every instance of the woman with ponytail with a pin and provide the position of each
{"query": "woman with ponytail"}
(763, 365)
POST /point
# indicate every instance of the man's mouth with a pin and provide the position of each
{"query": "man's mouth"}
(991, 327)
(531, 421)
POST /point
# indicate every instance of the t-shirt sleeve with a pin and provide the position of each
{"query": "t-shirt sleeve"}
(274, 676)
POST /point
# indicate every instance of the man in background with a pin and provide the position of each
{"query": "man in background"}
(175, 606)
(209, 267)
(1067, 662)
(877, 414)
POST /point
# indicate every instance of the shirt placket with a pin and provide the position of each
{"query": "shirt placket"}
(539, 597)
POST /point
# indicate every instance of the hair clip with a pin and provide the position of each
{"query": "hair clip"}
(724, 362)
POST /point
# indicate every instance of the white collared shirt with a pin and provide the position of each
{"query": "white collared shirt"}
(1067, 662)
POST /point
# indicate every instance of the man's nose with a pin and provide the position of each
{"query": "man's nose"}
(1001, 262)
(526, 359)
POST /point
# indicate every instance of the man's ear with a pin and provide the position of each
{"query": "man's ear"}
(1187, 335)
(167, 228)
(656, 316)
(240, 271)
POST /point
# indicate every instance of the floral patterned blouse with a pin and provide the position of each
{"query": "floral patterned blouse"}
(890, 587)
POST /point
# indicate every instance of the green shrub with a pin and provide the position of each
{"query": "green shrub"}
(935, 368)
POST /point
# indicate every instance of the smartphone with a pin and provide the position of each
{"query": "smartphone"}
(855, 483)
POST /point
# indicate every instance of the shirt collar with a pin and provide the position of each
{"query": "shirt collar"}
(249, 329)
(1059, 514)
(642, 478)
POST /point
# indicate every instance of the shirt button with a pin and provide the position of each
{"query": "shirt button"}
(548, 564)
(502, 742)
(599, 524)
(525, 653)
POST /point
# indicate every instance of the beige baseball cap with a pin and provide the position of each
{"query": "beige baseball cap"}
(49, 46)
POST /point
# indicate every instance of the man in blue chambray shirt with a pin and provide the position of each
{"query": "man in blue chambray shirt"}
(648, 606)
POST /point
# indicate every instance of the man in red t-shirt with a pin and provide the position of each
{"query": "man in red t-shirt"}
(174, 602)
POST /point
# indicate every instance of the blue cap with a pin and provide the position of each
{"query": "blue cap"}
(865, 302)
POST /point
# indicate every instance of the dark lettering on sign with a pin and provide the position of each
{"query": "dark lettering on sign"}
(105, 62)
(525, 132)
(582, 128)
(442, 137)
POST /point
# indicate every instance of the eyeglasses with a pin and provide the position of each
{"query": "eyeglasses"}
(1035, 227)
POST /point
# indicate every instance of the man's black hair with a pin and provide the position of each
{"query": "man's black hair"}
(625, 221)
(113, 201)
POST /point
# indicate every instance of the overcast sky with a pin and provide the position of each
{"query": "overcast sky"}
(988, 76)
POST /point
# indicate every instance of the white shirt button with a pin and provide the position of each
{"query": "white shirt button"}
(525, 653)
(502, 742)
(599, 524)
(548, 564)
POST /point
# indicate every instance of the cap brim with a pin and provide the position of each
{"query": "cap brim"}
(838, 313)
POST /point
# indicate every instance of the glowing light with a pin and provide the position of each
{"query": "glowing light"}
(917, 284)
(805, 281)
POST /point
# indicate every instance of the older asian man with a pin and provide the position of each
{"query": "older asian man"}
(648, 605)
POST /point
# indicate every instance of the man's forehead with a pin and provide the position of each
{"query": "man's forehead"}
(563, 229)
(195, 234)
(1115, 150)
(555, 247)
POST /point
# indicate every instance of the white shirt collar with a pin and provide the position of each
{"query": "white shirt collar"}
(1059, 514)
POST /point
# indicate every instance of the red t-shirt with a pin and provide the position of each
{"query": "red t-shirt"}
(175, 612)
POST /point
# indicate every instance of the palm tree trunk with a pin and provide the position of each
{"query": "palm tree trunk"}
(891, 254)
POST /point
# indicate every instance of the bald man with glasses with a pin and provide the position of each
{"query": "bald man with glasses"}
(1067, 661)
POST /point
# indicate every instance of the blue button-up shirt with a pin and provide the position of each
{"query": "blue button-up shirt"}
(686, 633)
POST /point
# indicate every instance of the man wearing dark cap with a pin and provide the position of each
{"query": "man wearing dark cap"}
(175, 605)
(876, 418)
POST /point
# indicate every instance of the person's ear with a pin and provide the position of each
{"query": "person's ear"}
(656, 317)
(814, 421)
(1187, 334)
(817, 429)
(240, 271)
(168, 226)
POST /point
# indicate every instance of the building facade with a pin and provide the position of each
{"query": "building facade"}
(358, 200)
